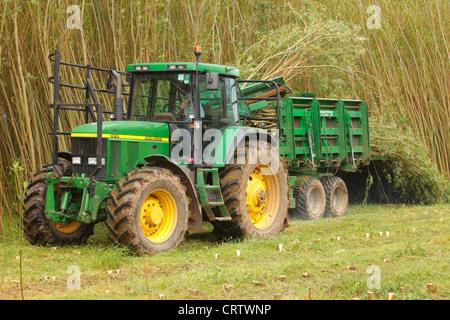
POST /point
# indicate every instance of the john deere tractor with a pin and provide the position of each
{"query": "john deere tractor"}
(194, 144)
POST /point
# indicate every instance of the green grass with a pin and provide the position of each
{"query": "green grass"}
(415, 253)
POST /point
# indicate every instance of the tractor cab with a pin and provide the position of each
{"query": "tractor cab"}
(191, 98)
(166, 92)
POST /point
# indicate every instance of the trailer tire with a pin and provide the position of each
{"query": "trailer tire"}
(337, 196)
(38, 230)
(148, 211)
(256, 195)
(310, 199)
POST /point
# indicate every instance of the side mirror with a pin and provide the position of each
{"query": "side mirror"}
(109, 83)
(212, 81)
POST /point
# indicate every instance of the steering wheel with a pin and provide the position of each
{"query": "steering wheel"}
(173, 109)
(207, 118)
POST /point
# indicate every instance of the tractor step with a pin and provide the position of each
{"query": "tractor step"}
(211, 191)
(223, 218)
(209, 187)
(214, 204)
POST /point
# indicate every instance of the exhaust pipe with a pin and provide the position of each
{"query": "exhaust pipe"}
(118, 99)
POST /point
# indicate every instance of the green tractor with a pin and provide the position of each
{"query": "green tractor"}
(195, 144)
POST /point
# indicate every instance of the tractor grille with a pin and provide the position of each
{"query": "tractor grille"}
(85, 148)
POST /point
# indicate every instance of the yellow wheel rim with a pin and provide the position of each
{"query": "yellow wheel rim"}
(158, 216)
(67, 227)
(261, 197)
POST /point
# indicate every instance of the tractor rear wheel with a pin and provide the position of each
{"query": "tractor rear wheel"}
(256, 195)
(310, 199)
(148, 211)
(337, 196)
(37, 228)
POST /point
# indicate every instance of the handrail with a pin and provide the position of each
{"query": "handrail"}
(82, 65)
(277, 98)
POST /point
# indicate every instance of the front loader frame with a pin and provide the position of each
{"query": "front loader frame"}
(59, 187)
(91, 106)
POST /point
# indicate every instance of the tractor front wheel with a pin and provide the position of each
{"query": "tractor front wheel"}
(148, 211)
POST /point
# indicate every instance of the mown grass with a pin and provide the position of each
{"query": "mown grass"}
(314, 262)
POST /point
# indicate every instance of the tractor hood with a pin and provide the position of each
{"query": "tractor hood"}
(132, 130)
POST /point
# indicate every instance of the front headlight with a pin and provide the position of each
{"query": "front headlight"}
(141, 68)
(76, 160)
(92, 161)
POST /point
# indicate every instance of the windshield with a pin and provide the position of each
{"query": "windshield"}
(168, 97)
(158, 96)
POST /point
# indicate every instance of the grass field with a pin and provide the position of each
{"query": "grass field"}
(324, 259)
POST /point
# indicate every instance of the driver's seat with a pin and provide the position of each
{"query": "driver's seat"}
(167, 116)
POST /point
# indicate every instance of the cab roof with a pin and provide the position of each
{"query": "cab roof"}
(182, 66)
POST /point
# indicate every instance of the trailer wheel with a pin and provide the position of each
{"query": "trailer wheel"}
(337, 196)
(256, 195)
(37, 228)
(148, 211)
(310, 199)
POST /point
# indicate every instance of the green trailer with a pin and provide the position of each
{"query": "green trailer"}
(195, 144)
(318, 138)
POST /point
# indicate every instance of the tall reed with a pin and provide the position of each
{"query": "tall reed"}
(408, 59)
(322, 46)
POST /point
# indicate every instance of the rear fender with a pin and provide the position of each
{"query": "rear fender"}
(236, 136)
